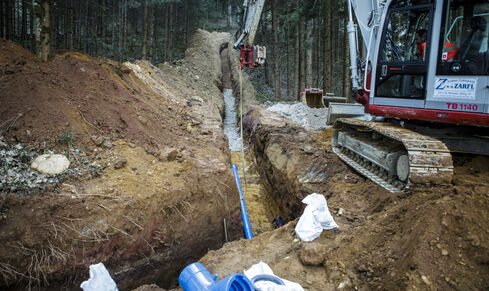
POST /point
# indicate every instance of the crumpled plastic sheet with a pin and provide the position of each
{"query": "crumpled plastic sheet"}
(100, 280)
(263, 269)
(315, 219)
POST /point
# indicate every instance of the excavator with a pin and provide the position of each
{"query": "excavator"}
(250, 56)
(424, 78)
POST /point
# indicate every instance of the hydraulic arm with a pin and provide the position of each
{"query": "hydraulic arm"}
(250, 55)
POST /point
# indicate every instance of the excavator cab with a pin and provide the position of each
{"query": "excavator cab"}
(464, 47)
(432, 56)
(403, 58)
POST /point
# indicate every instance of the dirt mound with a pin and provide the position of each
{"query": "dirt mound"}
(166, 185)
(432, 238)
(72, 92)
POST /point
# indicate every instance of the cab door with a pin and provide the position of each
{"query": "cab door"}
(462, 59)
(403, 58)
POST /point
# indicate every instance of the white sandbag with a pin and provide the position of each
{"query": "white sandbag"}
(263, 269)
(100, 280)
(315, 218)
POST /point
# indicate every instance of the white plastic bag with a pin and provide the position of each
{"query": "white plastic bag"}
(315, 218)
(263, 269)
(100, 280)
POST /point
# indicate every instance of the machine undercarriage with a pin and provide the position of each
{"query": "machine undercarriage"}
(393, 157)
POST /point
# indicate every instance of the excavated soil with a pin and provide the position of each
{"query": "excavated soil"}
(165, 207)
(164, 185)
(431, 238)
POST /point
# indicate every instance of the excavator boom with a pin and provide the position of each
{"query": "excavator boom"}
(251, 56)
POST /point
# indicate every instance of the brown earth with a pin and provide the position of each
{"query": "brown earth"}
(431, 238)
(145, 221)
(165, 208)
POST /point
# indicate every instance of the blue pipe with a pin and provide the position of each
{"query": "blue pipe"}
(244, 212)
(195, 277)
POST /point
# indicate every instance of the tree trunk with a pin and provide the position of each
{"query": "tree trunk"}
(230, 13)
(79, 24)
(287, 38)
(187, 13)
(170, 37)
(103, 25)
(327, 59)
(151, 33)
(8, 19)
(46, 30)
(302, 52)
(124, 42)
(114, 17)
(263, 29)
(2, 22)
(346, 66)
(309, 45)
(317, 58)
(71, 9)
(37, 28)
(145, 30)
(297, 60)
(23, 37)
(121, 28)
(167, 32)
(53, 29)
(32, 39)
(276, 71)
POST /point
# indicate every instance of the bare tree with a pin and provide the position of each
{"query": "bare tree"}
(46, 30)
(276, 70)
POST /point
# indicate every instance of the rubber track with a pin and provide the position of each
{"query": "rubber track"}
(430, 160)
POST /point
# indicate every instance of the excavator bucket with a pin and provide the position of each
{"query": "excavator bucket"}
(344, 110)
(313, 98)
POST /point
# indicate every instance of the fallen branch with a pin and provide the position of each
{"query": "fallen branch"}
(83, 117)
(13, 123)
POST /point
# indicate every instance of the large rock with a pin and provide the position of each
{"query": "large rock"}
(312, 254)
(50, 164)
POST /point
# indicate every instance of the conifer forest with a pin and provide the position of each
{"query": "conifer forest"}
(305, 40)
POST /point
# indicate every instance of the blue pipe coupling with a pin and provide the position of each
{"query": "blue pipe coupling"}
(195, 277)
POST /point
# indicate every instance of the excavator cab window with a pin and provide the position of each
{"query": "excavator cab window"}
(403, 59)
(464, 46)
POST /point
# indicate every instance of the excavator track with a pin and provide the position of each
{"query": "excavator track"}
(392, 157)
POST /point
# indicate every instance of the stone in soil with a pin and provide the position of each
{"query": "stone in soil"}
(51, 164)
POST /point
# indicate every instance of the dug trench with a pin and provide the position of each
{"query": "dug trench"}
(163, 206)
(428, 238)
(150, 181)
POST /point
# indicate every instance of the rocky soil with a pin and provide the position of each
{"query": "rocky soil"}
(161, 185)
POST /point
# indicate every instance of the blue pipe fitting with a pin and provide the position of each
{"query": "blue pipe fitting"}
(244, 213)
(195, 277)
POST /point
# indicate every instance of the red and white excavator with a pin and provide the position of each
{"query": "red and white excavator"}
(425, 80)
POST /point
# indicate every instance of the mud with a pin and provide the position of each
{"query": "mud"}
(145, 221)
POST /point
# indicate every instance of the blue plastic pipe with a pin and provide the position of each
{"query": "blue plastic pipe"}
(195, 277)
(244, 212)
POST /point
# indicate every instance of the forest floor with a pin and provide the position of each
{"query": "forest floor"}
(162, 207)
